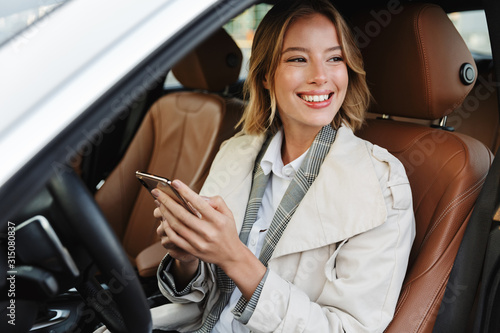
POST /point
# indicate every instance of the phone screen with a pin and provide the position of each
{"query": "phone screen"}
(163, 184)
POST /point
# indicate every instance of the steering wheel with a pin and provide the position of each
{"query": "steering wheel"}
(123, 308)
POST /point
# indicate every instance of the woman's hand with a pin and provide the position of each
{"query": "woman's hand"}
(212, 238)
(164, 232)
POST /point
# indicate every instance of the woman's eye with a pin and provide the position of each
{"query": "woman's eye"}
(336, 59)
(299, 59)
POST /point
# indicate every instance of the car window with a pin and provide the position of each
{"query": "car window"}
(17, 17)
(242, 29)
(474, 30)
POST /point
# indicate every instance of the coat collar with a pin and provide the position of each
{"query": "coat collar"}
(344, 200)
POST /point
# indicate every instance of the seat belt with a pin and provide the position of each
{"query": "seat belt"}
(458, 299)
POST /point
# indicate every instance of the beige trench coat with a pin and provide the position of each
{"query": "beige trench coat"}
(340, 263)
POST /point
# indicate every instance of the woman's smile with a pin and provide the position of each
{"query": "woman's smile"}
(317, 100)
(311, 79)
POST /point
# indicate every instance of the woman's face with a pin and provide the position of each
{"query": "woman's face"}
(311, 78)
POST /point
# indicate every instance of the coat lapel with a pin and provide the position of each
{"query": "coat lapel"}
(344, 200)
(231, 174)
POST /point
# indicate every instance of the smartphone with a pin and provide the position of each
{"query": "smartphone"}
(151, 182)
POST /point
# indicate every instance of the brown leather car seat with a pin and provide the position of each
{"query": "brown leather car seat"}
(413, 69)
(478, 116)
(177, 139)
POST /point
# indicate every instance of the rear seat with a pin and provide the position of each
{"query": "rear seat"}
(178, 139)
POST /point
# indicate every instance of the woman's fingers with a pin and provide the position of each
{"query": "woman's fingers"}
(219, 205)
(174, 237)
(176, 214)
(200, 203)
(212, 238)
(176, 222)
(175, 244)
(157, 213)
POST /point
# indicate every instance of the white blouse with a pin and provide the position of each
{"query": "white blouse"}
(279, 180)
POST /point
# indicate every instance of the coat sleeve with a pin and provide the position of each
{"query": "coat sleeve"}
(363, 276)
(187, 309)
(195, 291)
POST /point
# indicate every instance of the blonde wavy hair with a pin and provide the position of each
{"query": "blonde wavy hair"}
(260, 113)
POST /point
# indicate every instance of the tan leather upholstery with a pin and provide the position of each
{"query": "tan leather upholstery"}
(212, 65)
(422, 56)
(177, 139)
(478, 115)
(148, 259)
(413, 70)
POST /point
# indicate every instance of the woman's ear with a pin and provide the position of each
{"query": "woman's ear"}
(265, 82)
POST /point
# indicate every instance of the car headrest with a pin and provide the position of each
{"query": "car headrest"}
(212, 66)
(417, 64)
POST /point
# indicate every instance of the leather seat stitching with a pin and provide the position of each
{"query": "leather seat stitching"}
(461, 198)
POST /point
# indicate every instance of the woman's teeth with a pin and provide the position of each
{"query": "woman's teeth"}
(314, 98)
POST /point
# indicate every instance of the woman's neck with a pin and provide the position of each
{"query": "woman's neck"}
(295, 144)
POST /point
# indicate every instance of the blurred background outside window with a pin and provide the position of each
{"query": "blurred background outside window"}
(474, 30)
(242, 29)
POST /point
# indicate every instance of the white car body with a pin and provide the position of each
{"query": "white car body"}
(55, 70)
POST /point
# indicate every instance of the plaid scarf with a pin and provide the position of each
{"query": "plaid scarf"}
(303, 179)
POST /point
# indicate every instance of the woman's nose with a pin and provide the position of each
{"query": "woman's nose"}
(317, 74)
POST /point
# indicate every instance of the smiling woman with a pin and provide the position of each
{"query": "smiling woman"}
(287, 231)
(310, 81)
(261, 111)
(321, 246)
